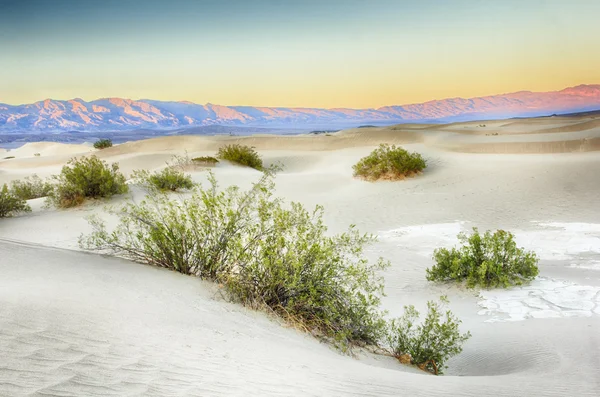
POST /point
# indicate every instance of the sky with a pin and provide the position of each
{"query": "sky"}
(296, 53)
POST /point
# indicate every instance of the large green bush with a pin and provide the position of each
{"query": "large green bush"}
(488, 260)
(87, 177)
(242, 155)
(10, 204)
(269, 255)
(428, 344)
(31, 187)
(169, 178)
(264, 254)
(103, 143)
(389, 163)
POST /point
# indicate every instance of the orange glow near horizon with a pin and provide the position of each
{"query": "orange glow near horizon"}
(357, 56)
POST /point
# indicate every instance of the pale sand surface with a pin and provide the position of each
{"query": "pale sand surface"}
(75, 324)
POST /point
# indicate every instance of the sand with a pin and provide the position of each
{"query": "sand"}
(73, 323)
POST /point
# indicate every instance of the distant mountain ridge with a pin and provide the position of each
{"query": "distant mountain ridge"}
(119, 114)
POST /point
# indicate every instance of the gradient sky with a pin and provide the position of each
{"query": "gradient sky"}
(350, 53)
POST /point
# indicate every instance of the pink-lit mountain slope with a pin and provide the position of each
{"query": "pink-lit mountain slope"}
(113, 114)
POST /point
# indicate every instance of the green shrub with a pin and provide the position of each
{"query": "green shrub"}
(87, 177)
(242, 155)
(277, 257)
(205, 160)
(264, 254)
(491, 260)
(389, 162)
(9, 157)
(11, 204)
(103, 143)
(31, 187)
(167, 179)
(428, 344)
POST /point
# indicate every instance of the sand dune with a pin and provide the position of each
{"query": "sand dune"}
(49, 149)
(537, 135)
(580, 126)
(98, 326)
(541, 147)
(76, 324)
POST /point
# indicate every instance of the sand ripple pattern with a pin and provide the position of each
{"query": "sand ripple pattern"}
(82, 325)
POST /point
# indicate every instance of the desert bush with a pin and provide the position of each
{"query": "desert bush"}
(180, 161)
(205, 160)
(428, 344)
(31, 187)
(242, 155)
(11, 204)
(9, 157)
(488, 260)
(169, 178)
(265, 255)
(389, 162)
(37, 154)
(103, 143)
(87, 177)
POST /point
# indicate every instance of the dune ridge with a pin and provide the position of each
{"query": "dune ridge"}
(573, 134)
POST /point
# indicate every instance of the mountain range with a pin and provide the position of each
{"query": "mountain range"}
(119, 114)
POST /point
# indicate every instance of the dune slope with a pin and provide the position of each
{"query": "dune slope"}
(73, 323)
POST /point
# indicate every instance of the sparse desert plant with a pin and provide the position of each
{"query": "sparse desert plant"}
(488, 260)
(103, 143)
(31, 187)
(241, 155)
(37, 154)
(9, 157)
(169, 178)
(11, 204)
(180, 161)
(205, 160)
(87, 177)
(428, 344)
(265, 255)
(390, 163)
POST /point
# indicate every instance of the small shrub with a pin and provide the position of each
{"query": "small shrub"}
(205, 160)
(9, 157)
(265, 254)
(37, 154)
(11, 204)
(180, 161)
(429, 344)
(242, 155)
(88, 177)
(31, 187)
(389, 162)
(488, 260)
(167, 179)
(103, 143)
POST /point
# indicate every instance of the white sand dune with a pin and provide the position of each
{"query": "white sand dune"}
(49, 149)
(75, 324)
(81, 324)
